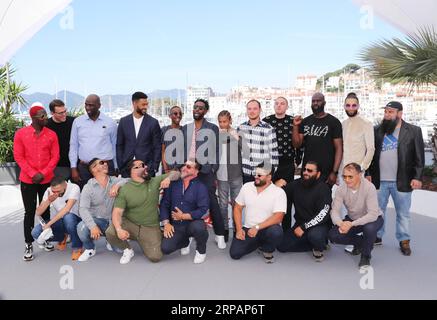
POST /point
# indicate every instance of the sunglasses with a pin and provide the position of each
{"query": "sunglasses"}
(308, 170)
(101, 162)
(142, 165)
(43, 116)
(176, 113)
(347, 105)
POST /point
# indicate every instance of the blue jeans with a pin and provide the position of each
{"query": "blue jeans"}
(85, 233)
(68, 225)
(402, 202)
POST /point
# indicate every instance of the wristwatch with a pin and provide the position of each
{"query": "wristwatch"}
(257, 227)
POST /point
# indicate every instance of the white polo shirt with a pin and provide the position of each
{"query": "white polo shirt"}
(260, 207)
(71, 192)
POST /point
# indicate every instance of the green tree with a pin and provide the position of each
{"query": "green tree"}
(10, 91)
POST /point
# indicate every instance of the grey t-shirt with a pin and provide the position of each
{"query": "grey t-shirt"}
(388, 162)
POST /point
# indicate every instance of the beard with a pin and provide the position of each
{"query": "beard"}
(308, 183)
(389, 126)
(318, 110)
(352, 114)
(260, 183)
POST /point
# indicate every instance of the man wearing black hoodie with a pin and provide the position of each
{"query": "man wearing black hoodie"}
(312, 202)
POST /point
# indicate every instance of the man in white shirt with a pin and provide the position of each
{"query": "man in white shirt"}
(266, 205)
(63, 199)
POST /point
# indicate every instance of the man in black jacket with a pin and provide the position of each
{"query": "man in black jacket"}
(397, 168)
(312, 200)
(139, 137)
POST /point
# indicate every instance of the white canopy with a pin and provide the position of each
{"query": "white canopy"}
(21, 19)
(406, 15)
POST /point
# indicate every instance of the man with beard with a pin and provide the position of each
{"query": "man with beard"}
(321, 136)
(139, 137)
(36, 151)
(265, 205)
(93, 135)
(397, 169)
(358, 137)
(184, 205)
(135, 214)
(311, 198)
(171, 135)
(201, 143)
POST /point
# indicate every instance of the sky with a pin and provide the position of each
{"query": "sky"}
(118, 47)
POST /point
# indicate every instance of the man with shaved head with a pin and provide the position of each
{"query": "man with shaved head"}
(321, 136)
(93, 135)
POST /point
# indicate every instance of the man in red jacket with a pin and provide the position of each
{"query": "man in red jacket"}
(36, 151)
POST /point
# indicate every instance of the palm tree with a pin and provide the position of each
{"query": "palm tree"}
(10, 91)
(413, 60)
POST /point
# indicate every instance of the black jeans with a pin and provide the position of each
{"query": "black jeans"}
(182, 233)
(363, 242)
(209, 180)
(85, 175)
(314, 238)
(266, 239)
(29, 193)
(285, 171)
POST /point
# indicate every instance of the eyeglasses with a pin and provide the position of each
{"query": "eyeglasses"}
(176, 113)
(308, 170)
(142, 165)
(201, 108)
(62, 112)
(353, 106)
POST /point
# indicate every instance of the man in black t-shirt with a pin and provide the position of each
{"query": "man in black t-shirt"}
(61, 124)
(283, 124)
(321, 136)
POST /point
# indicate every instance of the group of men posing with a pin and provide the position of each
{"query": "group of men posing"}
(115, 188)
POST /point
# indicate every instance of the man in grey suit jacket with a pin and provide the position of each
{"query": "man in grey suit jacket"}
(139, 137)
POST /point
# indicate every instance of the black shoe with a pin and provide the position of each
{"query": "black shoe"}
(28, 252)
(47, 246)
(378, 241)
(318, 255)
(364, 262)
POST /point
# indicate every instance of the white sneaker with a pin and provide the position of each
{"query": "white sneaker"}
(186, 250)
(199, 258)
(349, 248)
(221, 244)
(88, 253)
(127, 255)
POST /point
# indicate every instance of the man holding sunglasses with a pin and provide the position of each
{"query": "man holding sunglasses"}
(311, 198)
(171, 134)
(135, 214)
(265, 205)
(360, 198)
(36, 151)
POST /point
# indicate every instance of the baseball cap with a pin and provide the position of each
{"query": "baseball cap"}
(394, 105)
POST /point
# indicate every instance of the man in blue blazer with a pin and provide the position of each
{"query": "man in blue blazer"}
(139, 137)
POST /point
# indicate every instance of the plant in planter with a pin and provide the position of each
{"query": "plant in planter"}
(10, 93)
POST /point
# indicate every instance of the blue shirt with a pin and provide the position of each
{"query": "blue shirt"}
(93, 139)
(194, 200)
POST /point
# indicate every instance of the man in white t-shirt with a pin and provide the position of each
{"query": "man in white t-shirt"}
(266, 205)
(63, 199)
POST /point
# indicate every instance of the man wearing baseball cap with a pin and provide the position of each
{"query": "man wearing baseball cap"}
(36, 151)
(397, 168)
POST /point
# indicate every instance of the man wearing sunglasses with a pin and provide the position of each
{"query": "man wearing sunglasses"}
(96, 203)
(363, 219)
(36, 151)
(135, 215)
(265, 205)
(171, 134)
(61, 124)
(183, 207)
(139, 137)
(311, 198)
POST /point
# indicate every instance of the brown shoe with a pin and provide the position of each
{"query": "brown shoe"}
(405, 247)
(63, 244)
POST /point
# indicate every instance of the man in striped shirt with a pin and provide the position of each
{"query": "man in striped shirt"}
(258, 142)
